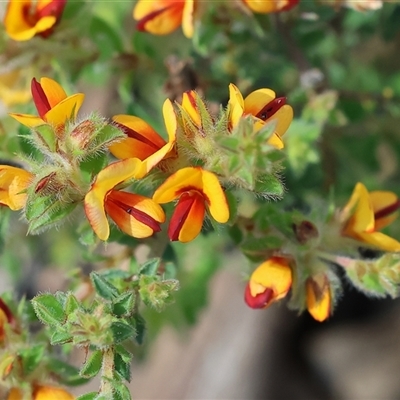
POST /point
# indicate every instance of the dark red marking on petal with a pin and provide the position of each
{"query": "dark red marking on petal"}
(40, 98)
(139, 215)
(261, 300)
(271, 108)
(29, 14)
(141, 24)
(6, 310)
(136, 135)
(54, 8)
(290, 5)
(190, 188)
(387, 210)
(181, 212)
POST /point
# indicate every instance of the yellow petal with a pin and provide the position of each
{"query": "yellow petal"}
(28, 120)
(65, 110)
(382, 199)
(13, 181)
(235, 105)
(318, 297)
(189, 104)
(359, 209)
(51, 393)
(158, 17)
(150, 162)
(265, 6)
(131, 148)
(216, 199)
(186, 178)
(275, 274)
(107, 179)
(53, 91)
(276, 141)
(380, 240)
(170, 120)
(283, 118)
(187, 18)
(257, 100)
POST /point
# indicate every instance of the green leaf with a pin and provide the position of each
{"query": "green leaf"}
(65, 373)
(31, 357)
(88, 396)
(269, 186)
(103, 287)
(122, 331)
(71, 304)
(60, 337)
(45, 134)
(122, 391)
(48, 309)
(140, 325)
(122, 367)
(150, 267)
(124, 304)
(92, 365)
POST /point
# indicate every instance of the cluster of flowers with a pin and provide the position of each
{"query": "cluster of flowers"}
(53, 187)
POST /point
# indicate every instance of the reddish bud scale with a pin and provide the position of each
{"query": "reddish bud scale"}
(261, 300)
(6, 310)
(83, 133)
(138, 215)
(384, 212)
(39, 98)
(44, 183)
(271, 108)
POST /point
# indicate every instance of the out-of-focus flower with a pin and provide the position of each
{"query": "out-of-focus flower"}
(136, 215)
(161, 17)
(142, 141)
(196, 190)
(14, 88)
(42, 393)
(265, 107)
(318, 297)
(52, 103)
(24, 19)
(366, 213)
(270, 6)
(13, 184)
(358, 5)
(6, 317)
(269, 282)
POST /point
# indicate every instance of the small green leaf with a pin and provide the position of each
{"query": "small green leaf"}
(71, 304)
(140, 325)
(92, 365)
(60, 337)
(269, 186)
(31, 357)
(122, 368)
(103, 287)
(88, 396)
(150, 267)
(48, 309)
(123, 392)
(122, 331)
(65, 373)
(46, 136)
(124, 353)
(124, 304)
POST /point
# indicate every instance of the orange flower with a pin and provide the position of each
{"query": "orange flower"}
(161, 17)
(52, 103)
(366, 213)
(270, 6)
(136, 215)
(142, 141)
(195, 188)
(318, 297)
(42, 393)
(270, 282)
(13, 184)
(265, 107)
(24, 19)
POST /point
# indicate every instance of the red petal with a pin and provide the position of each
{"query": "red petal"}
(55, 8)
(261, 300)
(271, 108)
(40, 98)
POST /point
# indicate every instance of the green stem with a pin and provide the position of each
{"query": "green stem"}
(106, 386)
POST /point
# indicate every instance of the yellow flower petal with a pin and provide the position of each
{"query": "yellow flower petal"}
(380, 240)
(274, 274)
(65, 110)
(257, 100)
(382, 199)
(235, 105)
(217, 202)
(266, 6)
(318, 296)
(173, 187)
(170, 120)
(189, 104)
(28, 120)
(283, 118)
(187, 18)
(13, 182)
(53, 91)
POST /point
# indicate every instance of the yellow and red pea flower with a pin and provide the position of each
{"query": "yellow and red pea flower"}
(42, 392)
(142, 141)
(318, 297)
(368, 212)
(270, 6)
(265, 107)
(24, 19)
(269, 282)
(136, 215)
(161, 17)
(52, 103)
(13, 184)
(196, 190)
